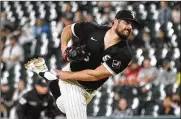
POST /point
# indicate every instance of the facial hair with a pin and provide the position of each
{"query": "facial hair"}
(122, 35)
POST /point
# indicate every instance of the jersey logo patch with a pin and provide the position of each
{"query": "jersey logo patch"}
(32, 103)
(93, 39)
(22, 101)
(116, 63)
(106, 57)
(133, 15)
(86, 59)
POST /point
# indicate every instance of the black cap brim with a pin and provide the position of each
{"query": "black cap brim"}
(136, 23)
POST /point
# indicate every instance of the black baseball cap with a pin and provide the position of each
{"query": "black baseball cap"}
(41, 82)
(127, 15)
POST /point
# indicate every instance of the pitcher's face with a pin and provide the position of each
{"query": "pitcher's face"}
(124, 28)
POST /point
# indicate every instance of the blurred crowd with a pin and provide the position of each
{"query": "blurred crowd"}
(150, 85)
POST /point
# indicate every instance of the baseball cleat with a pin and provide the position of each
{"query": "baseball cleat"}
(36, 65)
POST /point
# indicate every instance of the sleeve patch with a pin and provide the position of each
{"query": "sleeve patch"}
(22, 101)
(116, 64)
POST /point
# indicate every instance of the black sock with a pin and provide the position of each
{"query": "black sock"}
(53, 84)
(42, 75)
(54, 88)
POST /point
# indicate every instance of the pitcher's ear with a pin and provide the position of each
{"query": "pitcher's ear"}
(116, 21)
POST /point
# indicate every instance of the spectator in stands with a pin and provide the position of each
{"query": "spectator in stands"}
(166, 75)
(25, 34)
(164, 13)
(68, 15)
(68, 7)
(6, 98)
(148, 73)
(128, 91)
(89, 17)
(3, 38)
(12, 54)
(28, 29)
(146, 78)
(176, 99)
(20, 90)
(105, 7)
(122, 109)
(126, 84)
(64, 20)
(18, 93)
(166, 108)
(67, 19)
(35, 101)
(160, 39)
(25, 39)
(41, 27)
(78, 17)
(147, 38)
(5, 22)
(141, 40)
(176, 15)
(132, 73)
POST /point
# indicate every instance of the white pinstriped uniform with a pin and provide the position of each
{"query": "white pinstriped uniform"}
(72, 100)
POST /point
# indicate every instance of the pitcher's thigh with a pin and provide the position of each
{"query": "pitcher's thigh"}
(75, 104)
